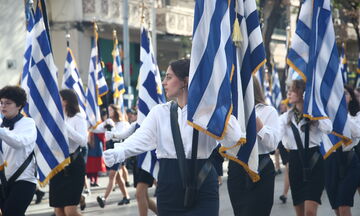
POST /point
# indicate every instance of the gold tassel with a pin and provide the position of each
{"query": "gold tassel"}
(236, 35)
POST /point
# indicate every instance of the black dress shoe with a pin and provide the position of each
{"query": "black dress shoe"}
(283, 199)
(101, 201)
(82, 203)
(39, 195)
(127, 184)
(124, 201)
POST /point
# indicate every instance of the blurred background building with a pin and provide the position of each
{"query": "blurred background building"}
(174, 25)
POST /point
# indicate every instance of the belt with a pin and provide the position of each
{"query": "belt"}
(75, 154)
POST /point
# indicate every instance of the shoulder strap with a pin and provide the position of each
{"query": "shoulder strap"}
(297, 136)
(179, 147)
(194, 157)
(21, 169)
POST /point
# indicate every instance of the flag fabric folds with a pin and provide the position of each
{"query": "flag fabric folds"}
(150, 94)
(96, 86)
(44, 104)
(276, 90)
(319, 66)
(209, 100)
(343, 64)
(357, 84)
(249, 58)
(117, 77)
(267, 92)
(72, 79)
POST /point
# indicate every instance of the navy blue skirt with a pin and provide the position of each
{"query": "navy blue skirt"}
(341, 189)
(170, 192)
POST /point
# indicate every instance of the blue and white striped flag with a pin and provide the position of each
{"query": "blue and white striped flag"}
(320, 68)
(357, 84)
(343, 64)
(209, 99)
(250, 57)
(72, 80)
(44, 104)
(118, 76)
(267, 91)
(150, 94)
(276, 90)
(96, 80)
(260, 77)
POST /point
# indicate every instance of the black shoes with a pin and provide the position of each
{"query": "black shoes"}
(101, 201)
(39, 195)
(82, 203)
(94, 184)
(124, 201)
(127, 184)
(283, 199)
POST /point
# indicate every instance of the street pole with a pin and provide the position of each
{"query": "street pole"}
(153, 27)
(126, 43)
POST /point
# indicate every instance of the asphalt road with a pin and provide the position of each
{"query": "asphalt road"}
(112, 209)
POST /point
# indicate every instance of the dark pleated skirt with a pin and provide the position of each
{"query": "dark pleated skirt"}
(251, 198)
(309, 190)
(67, 185)
(170, 192)
(341, 188)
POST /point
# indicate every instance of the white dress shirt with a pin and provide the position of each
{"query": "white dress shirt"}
(155, 133)
(269, 135)
(317, 129)
(354, 124)
(118, 128)
(17, 145)
(77, 131)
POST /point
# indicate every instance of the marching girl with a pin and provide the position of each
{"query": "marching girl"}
(306, 166)
(67, 185)
(343, 166)
(115, 122)
(248, 198)
(155, 133)
(17, 138)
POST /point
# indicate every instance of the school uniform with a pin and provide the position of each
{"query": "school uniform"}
(342, 170)
(119, 126)
(312, 188)
(67, 185)
(248, 198)
(155, 133)
(18, 143)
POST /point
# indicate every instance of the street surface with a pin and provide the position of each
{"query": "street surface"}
(112, 209)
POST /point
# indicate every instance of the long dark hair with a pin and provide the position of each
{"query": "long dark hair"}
(181, 68)
(118, 115)
(258, 93)
(72, 105)
(353, 105)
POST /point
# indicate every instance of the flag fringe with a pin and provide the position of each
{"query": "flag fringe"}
(55, 171)
(199, 128)
(292, 65)
(255, 177)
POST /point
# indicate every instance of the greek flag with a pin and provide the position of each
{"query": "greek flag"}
(260, 76)
(357, 84)
(250, 57)
(324, 94)
(209, 99)
(117, 77)
(150, 94)
(44, 104)
(343, 64)
(267, 92)
(276, 90)
(72, 79)
(96, 85)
